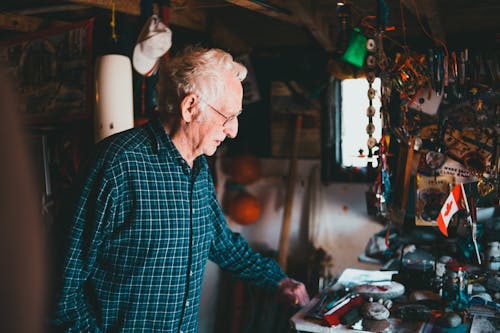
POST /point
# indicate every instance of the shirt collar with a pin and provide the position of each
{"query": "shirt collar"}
(164, 145)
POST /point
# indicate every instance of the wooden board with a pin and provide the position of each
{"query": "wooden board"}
(284, 108)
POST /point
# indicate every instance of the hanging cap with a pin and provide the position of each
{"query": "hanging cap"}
(154, 41)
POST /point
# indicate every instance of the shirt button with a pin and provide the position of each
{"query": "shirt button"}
(187, 303)
(191, 273)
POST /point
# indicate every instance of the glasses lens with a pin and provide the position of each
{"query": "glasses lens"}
(233, 117)
(229, 120)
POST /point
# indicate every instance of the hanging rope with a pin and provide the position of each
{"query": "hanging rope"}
(112, 24)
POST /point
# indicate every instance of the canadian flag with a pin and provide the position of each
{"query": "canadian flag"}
(453, 204)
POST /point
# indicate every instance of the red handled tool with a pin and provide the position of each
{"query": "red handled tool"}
(344, 305)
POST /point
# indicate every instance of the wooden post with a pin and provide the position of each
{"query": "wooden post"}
(290, 189)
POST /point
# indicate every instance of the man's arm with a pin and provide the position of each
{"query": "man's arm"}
(89, 218)
(232, 253)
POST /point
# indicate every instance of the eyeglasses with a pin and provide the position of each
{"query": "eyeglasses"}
(227, 119)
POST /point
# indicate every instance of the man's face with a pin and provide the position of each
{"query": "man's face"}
(216, 127)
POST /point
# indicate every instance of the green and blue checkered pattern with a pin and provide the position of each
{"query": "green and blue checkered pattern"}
(143, 227)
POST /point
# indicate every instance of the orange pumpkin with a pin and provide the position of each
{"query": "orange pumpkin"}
(245, 169)
(244, 208)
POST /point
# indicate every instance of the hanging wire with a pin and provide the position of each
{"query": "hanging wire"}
(365, 23)
(403, 26)
(438, 41)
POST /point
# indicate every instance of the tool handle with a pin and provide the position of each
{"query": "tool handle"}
(287, 214)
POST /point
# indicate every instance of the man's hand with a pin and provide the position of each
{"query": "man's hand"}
(293, 292)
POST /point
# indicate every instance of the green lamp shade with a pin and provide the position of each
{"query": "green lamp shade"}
(356, 50)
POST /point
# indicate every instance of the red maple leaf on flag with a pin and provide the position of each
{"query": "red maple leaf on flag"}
(448, 208)
(453, 204)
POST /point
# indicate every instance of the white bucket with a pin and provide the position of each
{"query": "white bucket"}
(114, 96)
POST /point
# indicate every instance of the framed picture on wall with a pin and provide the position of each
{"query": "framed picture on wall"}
(432, 192)
(51, 71)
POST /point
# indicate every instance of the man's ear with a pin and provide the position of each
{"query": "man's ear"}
(188, 107)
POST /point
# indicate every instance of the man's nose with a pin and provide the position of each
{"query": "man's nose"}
(232, 129)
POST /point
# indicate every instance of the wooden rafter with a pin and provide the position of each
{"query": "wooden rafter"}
(132, 7)
(296, 12)
(277, 9)
(314, 22)
(187, 16)
(226, 38)
(25, 23)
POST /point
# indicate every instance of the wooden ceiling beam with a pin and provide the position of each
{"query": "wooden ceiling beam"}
(429, 10)
(314, 21)
(225, 38)
(296, 12)
(187, 16)
(277, 9)
(23, 23)
(132, 7)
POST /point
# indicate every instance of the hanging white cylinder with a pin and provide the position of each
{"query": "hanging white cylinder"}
(114, 96)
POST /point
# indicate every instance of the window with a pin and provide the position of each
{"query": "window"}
(343, 131)
(353, 118)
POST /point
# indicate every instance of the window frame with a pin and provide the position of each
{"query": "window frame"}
(332, 169)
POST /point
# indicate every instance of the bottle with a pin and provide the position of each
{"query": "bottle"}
(455, 286)
(440, 274)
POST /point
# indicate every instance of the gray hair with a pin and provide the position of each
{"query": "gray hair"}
(196, 70)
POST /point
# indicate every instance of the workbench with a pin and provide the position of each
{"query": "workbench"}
(350, 277)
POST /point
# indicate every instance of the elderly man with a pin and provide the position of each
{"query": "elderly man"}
(146, 218)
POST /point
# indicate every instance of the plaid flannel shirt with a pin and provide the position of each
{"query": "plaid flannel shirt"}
(143, 227)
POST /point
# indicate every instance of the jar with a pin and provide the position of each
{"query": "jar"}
(441, 266)
(440, 274)
(455, 285)
(417, 270)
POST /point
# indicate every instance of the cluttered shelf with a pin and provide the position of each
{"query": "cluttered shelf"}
(427, 279)
(458, 298)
